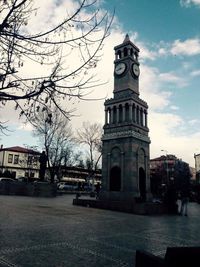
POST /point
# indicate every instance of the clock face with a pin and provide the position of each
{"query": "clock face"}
(136, 70)
(120, 68)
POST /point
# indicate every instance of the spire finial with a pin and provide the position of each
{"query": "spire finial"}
(126, 38)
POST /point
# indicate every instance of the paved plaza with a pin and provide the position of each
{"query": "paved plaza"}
(51, 232)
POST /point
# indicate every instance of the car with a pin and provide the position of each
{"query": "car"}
(22, 179)
(62, 186)
(6, 179)
(66, 186)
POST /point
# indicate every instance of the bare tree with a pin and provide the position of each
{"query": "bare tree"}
(90, 135)
(80, 35)
(57, 138)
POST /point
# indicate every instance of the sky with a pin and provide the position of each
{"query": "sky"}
(168, 36)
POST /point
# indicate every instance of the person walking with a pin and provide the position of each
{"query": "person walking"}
(185, 193)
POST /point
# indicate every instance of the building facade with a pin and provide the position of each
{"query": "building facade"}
(76, 174)
(19, 162)
(197, 166)
(167, 167)
(163, 166)
(125, 154)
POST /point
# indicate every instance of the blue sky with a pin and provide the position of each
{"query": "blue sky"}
(158, 20)
(168, 35)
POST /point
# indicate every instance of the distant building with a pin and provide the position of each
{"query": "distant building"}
(23, 162)
(163, 168)
(19, 161)
(77, 174)
(193, 172)
(197, 166)
(164, 165)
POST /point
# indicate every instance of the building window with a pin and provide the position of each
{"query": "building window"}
(30, 160)
(16, 159)
(10, 158)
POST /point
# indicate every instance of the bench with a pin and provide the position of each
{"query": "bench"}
(174, 257)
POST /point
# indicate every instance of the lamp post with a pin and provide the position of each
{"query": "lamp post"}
(166, 163)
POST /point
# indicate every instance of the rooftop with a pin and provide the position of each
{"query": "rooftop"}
(19, 149)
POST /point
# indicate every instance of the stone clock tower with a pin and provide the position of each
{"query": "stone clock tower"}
(125, 158)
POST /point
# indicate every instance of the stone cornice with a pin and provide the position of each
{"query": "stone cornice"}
(124, 99)
(125, 134)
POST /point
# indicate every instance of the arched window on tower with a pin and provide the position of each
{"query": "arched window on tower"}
(119, 54)
(131, 52)
(114, 114)
(137, 115)
(126, 112)
(115, 179)
(141, 117)
(109, 116)
(125, 51)
(145, 118)
(142, 184)
(120, 113)
(136, 56)
(133, 113)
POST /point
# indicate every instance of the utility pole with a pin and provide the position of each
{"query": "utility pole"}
(166, 164)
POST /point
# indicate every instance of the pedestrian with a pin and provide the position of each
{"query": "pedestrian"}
(185, 193)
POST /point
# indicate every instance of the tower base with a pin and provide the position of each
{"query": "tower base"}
(127, 197)
(143, 208)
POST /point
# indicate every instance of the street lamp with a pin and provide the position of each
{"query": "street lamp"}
(166, 163)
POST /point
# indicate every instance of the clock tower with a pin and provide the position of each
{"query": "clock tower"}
(126, 67)
(125, 153)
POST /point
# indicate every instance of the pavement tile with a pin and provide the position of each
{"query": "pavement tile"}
(51, 232)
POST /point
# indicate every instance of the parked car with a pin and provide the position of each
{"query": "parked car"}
(88, 188)
(6, 179)
(66, 186)
(22, 179)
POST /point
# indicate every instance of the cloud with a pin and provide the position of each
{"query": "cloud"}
(155, 86)
(173, 107)
(166, 134)
(168, 131)
(50, 13)
(189, 47)
(146, 53)
(166, 121)
(162, 51)
(25, 127)
(188, 3)
(194, 122)
(9, 114)
(170, 77)
(195, 73)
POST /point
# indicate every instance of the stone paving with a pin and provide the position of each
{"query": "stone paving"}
(51, 232)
